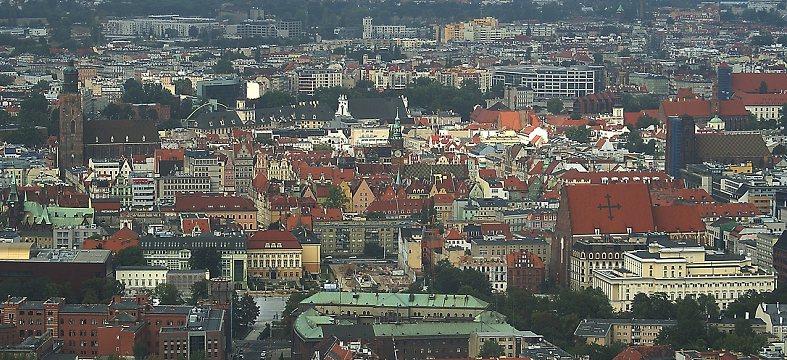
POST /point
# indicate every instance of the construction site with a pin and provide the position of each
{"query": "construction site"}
(370, 277)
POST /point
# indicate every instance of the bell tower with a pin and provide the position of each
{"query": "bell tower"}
(70, 147)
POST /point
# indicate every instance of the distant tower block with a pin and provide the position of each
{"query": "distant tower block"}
(367, 27)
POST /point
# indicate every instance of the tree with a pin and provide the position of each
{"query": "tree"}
(206, 258)
(372, 249)
(140, 351)
(27, 135)
(199, 290)
(183, 87)
(646, 120)
(337, 199)
(375, 215)
(129, 256)
(491, 349)
(783, 119)
(763, 87)
(34, 110)
(99, 290)
(779, 150)
(579, 133)
(168, 294)
(555, 106)
(223, 66)
(275, 98)
(6, 79)
(197, 355)
(244, 313)
(689, 327)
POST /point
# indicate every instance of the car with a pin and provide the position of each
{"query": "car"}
(263, 354)
(353, 257)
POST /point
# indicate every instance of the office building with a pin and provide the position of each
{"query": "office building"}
(552, 82)
(679, 270)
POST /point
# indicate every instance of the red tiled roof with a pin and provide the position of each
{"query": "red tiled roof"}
(695, 108)
(750, 82)
(262, 237)
(207, 203)
(727, 209)
(764, 99)
(672, 219)
(397, 206)
(612, 209)
(574, 175)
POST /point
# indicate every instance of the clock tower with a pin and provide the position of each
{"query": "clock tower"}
(397, 143)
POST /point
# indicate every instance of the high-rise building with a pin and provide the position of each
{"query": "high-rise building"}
(681, 144)
(724, 81)
(70, 149)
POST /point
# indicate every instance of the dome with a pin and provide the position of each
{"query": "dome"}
(716, 120)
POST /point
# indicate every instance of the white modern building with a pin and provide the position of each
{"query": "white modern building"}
(160, 26)
(140, 279)
(551, 81)
(143, 189)
(681, 269)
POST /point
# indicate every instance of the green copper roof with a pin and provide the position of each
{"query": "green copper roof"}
(309, 326)
(396, 300)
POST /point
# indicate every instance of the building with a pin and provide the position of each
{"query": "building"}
(499, 247)
(780, 258)
(140, 279)
(235, 208)
(91, 331)
(589, 255)
(169, 187)
(605, 332)
(274, 255)
(350, 237)
(265, 28)
(184, 279)
(552, 82)
(410, 326)
(774, 316)
(312, 250)
(224, 91)
(681, 145)
(72, 237)
(615, 212)
(70, 146)
(160, 26)
(23, 261)
(313, 79)
(204, 330)
(143, 190)
(525, 271)
(174, 252)
(681, 269)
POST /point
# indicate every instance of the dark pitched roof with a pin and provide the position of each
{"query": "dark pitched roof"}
(376, 108)
(218, 119)
(118, 131)
(731, 145)
(782, 242)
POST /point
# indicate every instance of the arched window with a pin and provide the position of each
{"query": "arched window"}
(73, 126)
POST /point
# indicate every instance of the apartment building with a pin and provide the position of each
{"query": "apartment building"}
(628, 331)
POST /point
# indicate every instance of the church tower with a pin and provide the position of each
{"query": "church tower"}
(70, 143)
